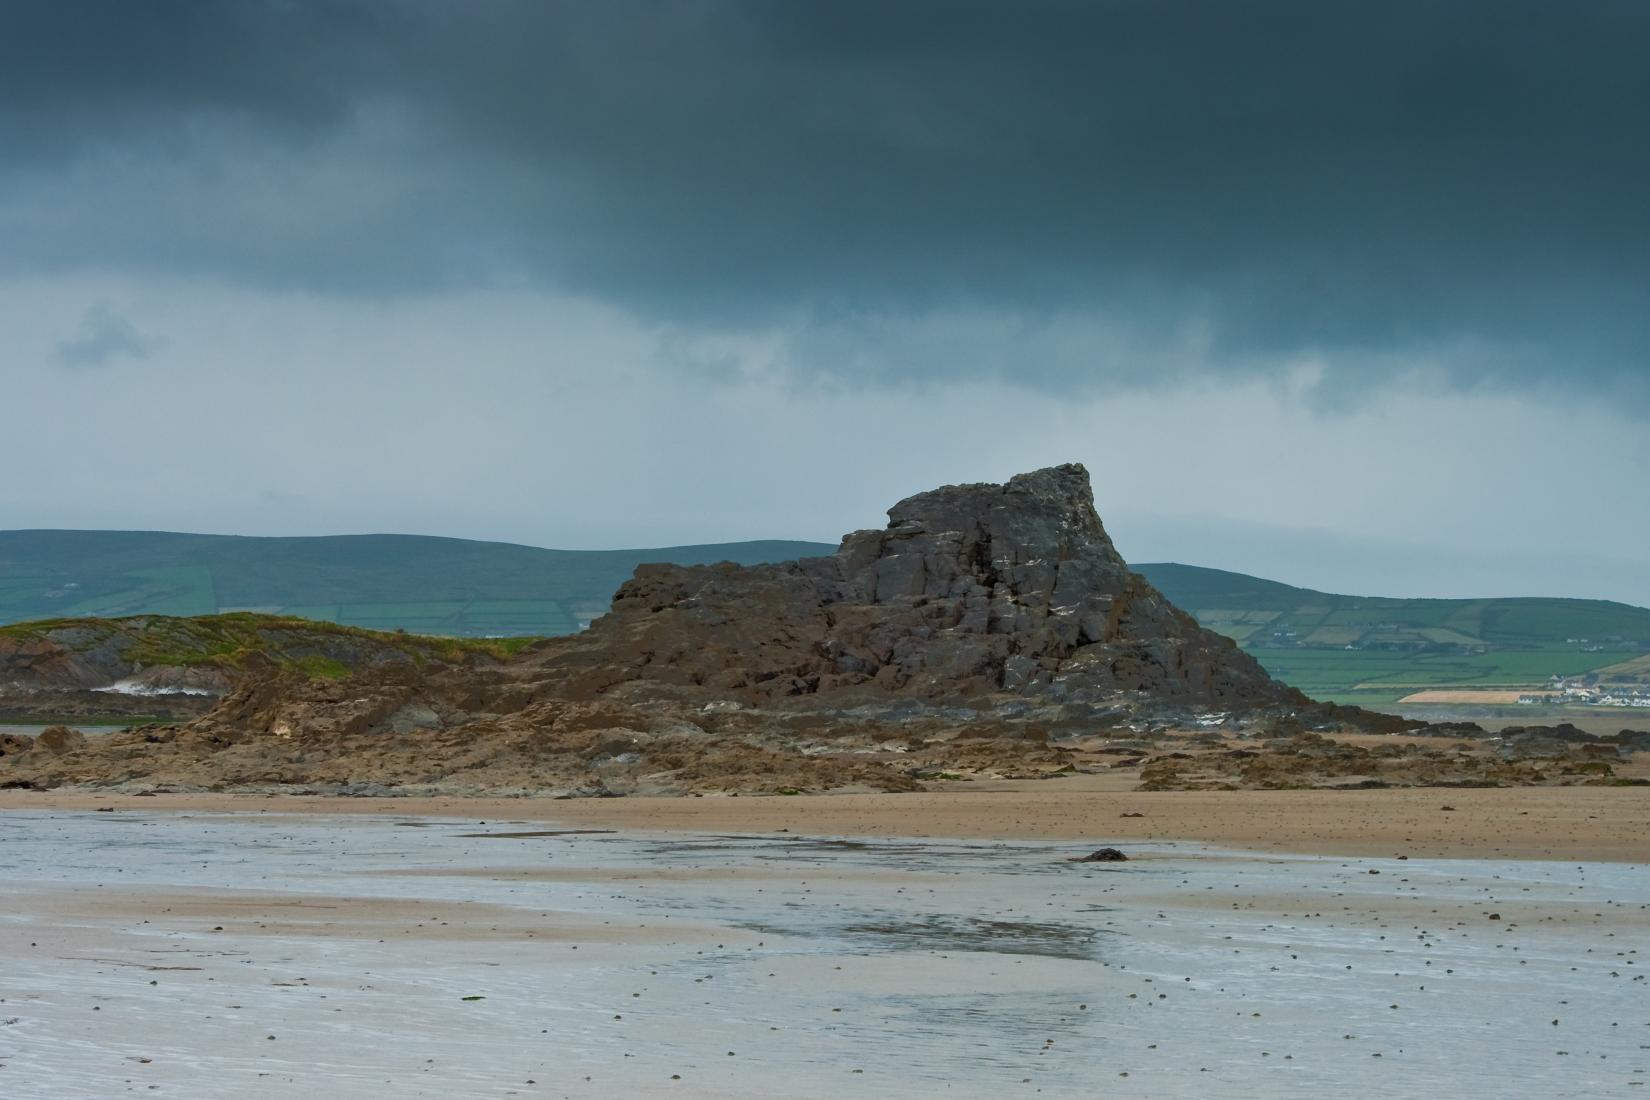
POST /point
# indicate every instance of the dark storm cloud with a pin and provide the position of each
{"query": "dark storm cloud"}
(80, 75)
(1463, 181)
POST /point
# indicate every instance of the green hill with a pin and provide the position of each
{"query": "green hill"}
(417, 583)
(1362, 649)
(1374, 650)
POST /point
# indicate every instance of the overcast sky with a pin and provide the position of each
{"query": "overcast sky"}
(1350, 295)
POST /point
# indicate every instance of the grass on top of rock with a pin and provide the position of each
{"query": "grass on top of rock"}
(236, 641)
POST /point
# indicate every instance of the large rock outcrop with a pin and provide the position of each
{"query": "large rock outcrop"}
(987, 627)
(982, 594)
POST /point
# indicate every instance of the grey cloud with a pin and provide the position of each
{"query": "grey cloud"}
(1372, 184)
(89, 72)
(104, 337)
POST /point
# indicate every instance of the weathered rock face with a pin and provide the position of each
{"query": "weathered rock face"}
(987, 627)
(972, 593)
(52, 663)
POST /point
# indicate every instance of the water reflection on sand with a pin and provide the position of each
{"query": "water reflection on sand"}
(262, 955)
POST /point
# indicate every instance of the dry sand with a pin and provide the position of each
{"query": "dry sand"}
(1580, 823)
(1481, 696)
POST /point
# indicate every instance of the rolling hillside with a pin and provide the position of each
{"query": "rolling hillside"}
(1375, 650)
(416, 583)
(1369, 650)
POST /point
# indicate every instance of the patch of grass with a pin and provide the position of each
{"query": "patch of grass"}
(1445, 636)
(322, 668)
(164, 590)
(1334, 635)
(507, 647)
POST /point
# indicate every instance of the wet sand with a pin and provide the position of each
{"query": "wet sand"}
(260, 954)
(1587, 823)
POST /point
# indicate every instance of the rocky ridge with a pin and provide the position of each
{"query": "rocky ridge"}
(987, 627)
(997, 597)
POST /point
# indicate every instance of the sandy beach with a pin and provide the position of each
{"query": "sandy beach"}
(188, 952)
(1590, 823)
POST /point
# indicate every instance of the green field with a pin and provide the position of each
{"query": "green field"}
(381, 582)
(1374, 678)
(1375, 650)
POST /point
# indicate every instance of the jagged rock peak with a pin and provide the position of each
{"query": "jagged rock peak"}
(971, 590)
(1036, 534)
(1058, 495)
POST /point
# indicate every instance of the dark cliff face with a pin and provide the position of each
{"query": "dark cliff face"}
(971, 592)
